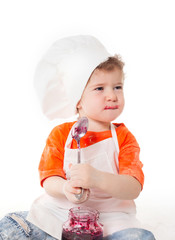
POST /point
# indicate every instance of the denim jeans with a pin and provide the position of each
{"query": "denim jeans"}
(14, 226)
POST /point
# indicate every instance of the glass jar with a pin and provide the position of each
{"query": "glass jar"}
(82, 224)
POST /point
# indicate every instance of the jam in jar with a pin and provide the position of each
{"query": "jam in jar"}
(82, 224)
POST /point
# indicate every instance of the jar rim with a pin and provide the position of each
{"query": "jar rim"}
(83, 212)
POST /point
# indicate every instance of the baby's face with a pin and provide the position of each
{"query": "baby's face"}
(103, 98)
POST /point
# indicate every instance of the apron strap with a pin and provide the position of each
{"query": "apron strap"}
(114, 136)
(69, 138)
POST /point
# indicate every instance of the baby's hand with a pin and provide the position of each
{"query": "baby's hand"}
(84, 176)
(70, 192)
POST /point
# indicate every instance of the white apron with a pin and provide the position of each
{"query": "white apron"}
(49, 213)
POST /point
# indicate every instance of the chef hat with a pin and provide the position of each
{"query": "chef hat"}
(62, 74)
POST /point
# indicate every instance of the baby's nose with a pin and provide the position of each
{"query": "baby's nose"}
(111, 96)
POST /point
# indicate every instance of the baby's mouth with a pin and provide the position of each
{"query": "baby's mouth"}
(111, 107)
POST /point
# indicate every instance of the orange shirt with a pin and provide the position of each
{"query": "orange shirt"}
(51, 163)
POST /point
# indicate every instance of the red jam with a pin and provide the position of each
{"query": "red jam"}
(81, 236)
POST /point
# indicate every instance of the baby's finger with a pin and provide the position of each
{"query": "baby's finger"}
(71, 189)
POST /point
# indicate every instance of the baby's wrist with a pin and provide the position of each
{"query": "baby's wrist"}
(100, 180)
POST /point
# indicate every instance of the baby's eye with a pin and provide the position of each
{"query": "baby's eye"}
(118, 87)
(99, 88)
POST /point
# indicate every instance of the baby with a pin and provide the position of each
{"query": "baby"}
(78, 76)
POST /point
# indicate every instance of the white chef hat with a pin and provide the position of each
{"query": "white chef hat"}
(62, 74)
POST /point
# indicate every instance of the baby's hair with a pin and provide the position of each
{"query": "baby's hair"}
(111, 63)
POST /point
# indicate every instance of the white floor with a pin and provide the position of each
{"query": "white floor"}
(160, 222)
(158, 217)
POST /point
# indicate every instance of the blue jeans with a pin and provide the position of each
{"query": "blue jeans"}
(14, 226)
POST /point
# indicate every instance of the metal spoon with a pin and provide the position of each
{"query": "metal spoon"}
(78, 131)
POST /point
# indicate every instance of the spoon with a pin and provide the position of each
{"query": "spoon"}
(78, 131)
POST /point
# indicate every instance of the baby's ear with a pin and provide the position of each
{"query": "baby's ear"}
(78, 106)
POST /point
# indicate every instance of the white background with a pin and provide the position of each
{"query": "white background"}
(143, 33)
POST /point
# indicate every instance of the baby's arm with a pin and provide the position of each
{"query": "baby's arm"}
(119, 186)
(58, 187)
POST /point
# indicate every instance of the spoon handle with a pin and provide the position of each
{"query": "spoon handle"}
(78, 196)
(79, 158)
